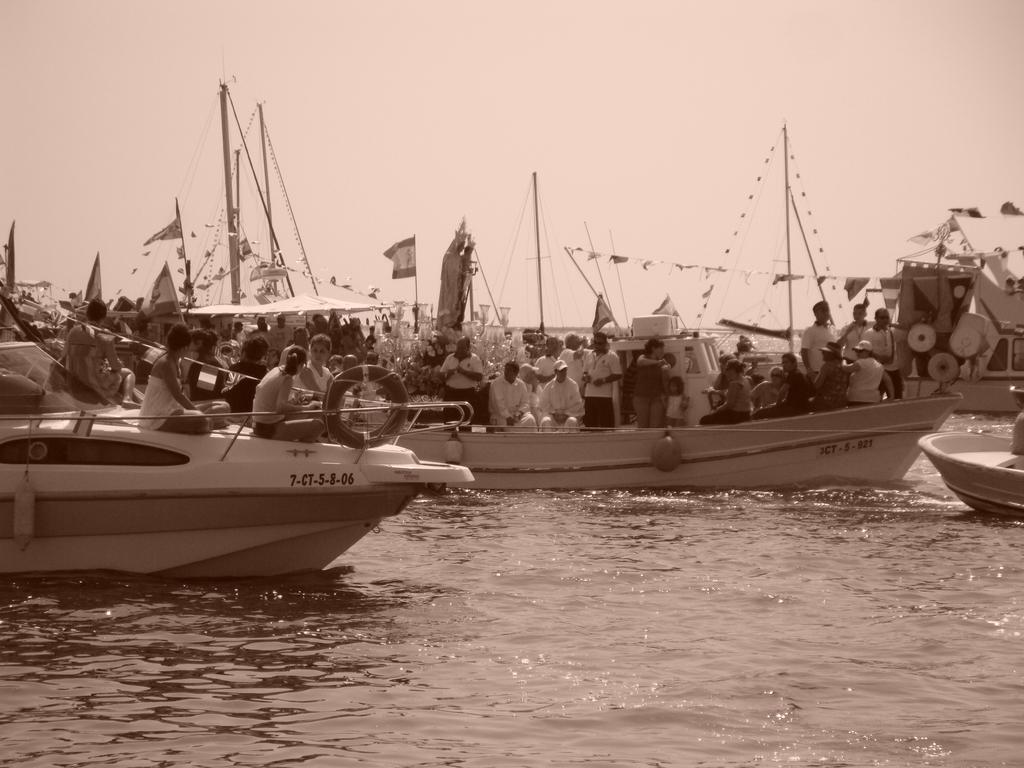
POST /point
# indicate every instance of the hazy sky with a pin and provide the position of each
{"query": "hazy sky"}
(648, 122)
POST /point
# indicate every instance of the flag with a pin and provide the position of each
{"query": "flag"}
(890, 291)
(707, 294)
(94, 289)
(171, 232)
(244, 249)
(163, 299)
(618, 259)
(666, 308)
(855, 285)
(602, 314)
(1007, 209)
(786, 278)
(10, 261)
(973, 213)
(403, 258)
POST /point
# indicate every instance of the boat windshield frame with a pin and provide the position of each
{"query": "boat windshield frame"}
(60, 391)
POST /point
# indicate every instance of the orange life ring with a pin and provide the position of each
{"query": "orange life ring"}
(337, 424)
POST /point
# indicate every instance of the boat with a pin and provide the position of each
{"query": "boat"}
(873, 444)
(980, 469)
(963, 307)
(84, 486)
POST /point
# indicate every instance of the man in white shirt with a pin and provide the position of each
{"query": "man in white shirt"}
(885, 345)
(854, 332)
(510, 400)
(560, 402)
(814, 338)
(574, 356)
(545, 364)
(462, 371)
(600, 370)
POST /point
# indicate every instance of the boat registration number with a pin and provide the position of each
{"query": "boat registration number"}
(847, 447)
(310, 479)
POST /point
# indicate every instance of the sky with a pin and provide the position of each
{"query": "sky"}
(647, 123)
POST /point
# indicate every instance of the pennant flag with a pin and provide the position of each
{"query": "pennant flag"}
(1009, 209)
(163, 299)
(890, 291)
(602, 314)
(855, 285)
(244, 249)
(973, 213)
(666, 308)
(94, 289)
(403, 258)
(786, 278)
(10, 260)
(617, 259)
(707, 294)
(207, 378)
(171, 232)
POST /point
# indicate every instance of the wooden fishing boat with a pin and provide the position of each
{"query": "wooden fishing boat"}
(981, 470)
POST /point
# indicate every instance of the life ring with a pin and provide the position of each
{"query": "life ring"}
(921, 337)
(391, 387)
(943, 367)
(968, 336)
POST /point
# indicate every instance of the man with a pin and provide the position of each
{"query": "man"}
(574, 356)
(884, 343)
(560, 402)
(510, 400)
(277, 339)
(814, 338)
(854, 332)
(795, 394)
(461, 372)
(545, 364)
(600, 370)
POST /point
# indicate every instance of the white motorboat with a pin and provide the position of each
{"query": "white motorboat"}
(980, 469)
(865, 444)
(84, 487)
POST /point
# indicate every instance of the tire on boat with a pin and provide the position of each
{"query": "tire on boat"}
(667, 454)
(338, 424)
(921, 337)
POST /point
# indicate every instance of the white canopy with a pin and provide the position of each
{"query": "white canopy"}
(303, 304)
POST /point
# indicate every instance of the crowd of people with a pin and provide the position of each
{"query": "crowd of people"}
(200, 375)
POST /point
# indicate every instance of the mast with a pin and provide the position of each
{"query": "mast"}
(536, 231)
(789, 261)
(229, 203)
(266, 171)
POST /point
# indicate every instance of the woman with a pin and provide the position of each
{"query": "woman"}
(651, 385)
(278, 416)
(316, 375)
(866, 376)
(830, 385)
(164, 396)
(736, 408)
(92, 360)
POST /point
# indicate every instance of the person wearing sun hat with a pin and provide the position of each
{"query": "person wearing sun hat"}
(830, 385)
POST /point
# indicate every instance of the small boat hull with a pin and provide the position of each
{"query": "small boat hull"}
(870, 444)
(980, 469)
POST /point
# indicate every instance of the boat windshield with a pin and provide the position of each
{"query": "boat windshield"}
(33, 382)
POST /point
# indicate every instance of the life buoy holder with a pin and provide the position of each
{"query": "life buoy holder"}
(921, 337)
(338, 424)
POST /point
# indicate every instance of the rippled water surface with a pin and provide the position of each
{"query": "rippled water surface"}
(842, 627)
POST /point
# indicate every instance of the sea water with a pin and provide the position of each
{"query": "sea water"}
(836, 627)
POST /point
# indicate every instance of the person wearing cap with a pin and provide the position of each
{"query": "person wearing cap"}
(600, 370)
(885, 341)
(795, 396)
(830, 386)
(510, 400)
(651, 387)
(561, 406)
(867, 376)
(814, 338)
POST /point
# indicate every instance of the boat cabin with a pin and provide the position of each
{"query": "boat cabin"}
(694, 359)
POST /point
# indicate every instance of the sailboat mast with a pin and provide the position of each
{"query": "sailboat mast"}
(266, 171)
(789, 262)
(229, 203)
(536, 231)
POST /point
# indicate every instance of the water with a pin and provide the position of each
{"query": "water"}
(843, 627)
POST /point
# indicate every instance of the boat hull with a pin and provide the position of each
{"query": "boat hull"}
(980, 469)
(235, 505)
(870, 444)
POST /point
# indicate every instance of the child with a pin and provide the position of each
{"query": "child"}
(677, 403)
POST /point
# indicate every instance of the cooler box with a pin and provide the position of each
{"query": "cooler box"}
(654, 325)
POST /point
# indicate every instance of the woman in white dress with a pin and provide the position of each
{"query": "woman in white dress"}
(164, 396)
